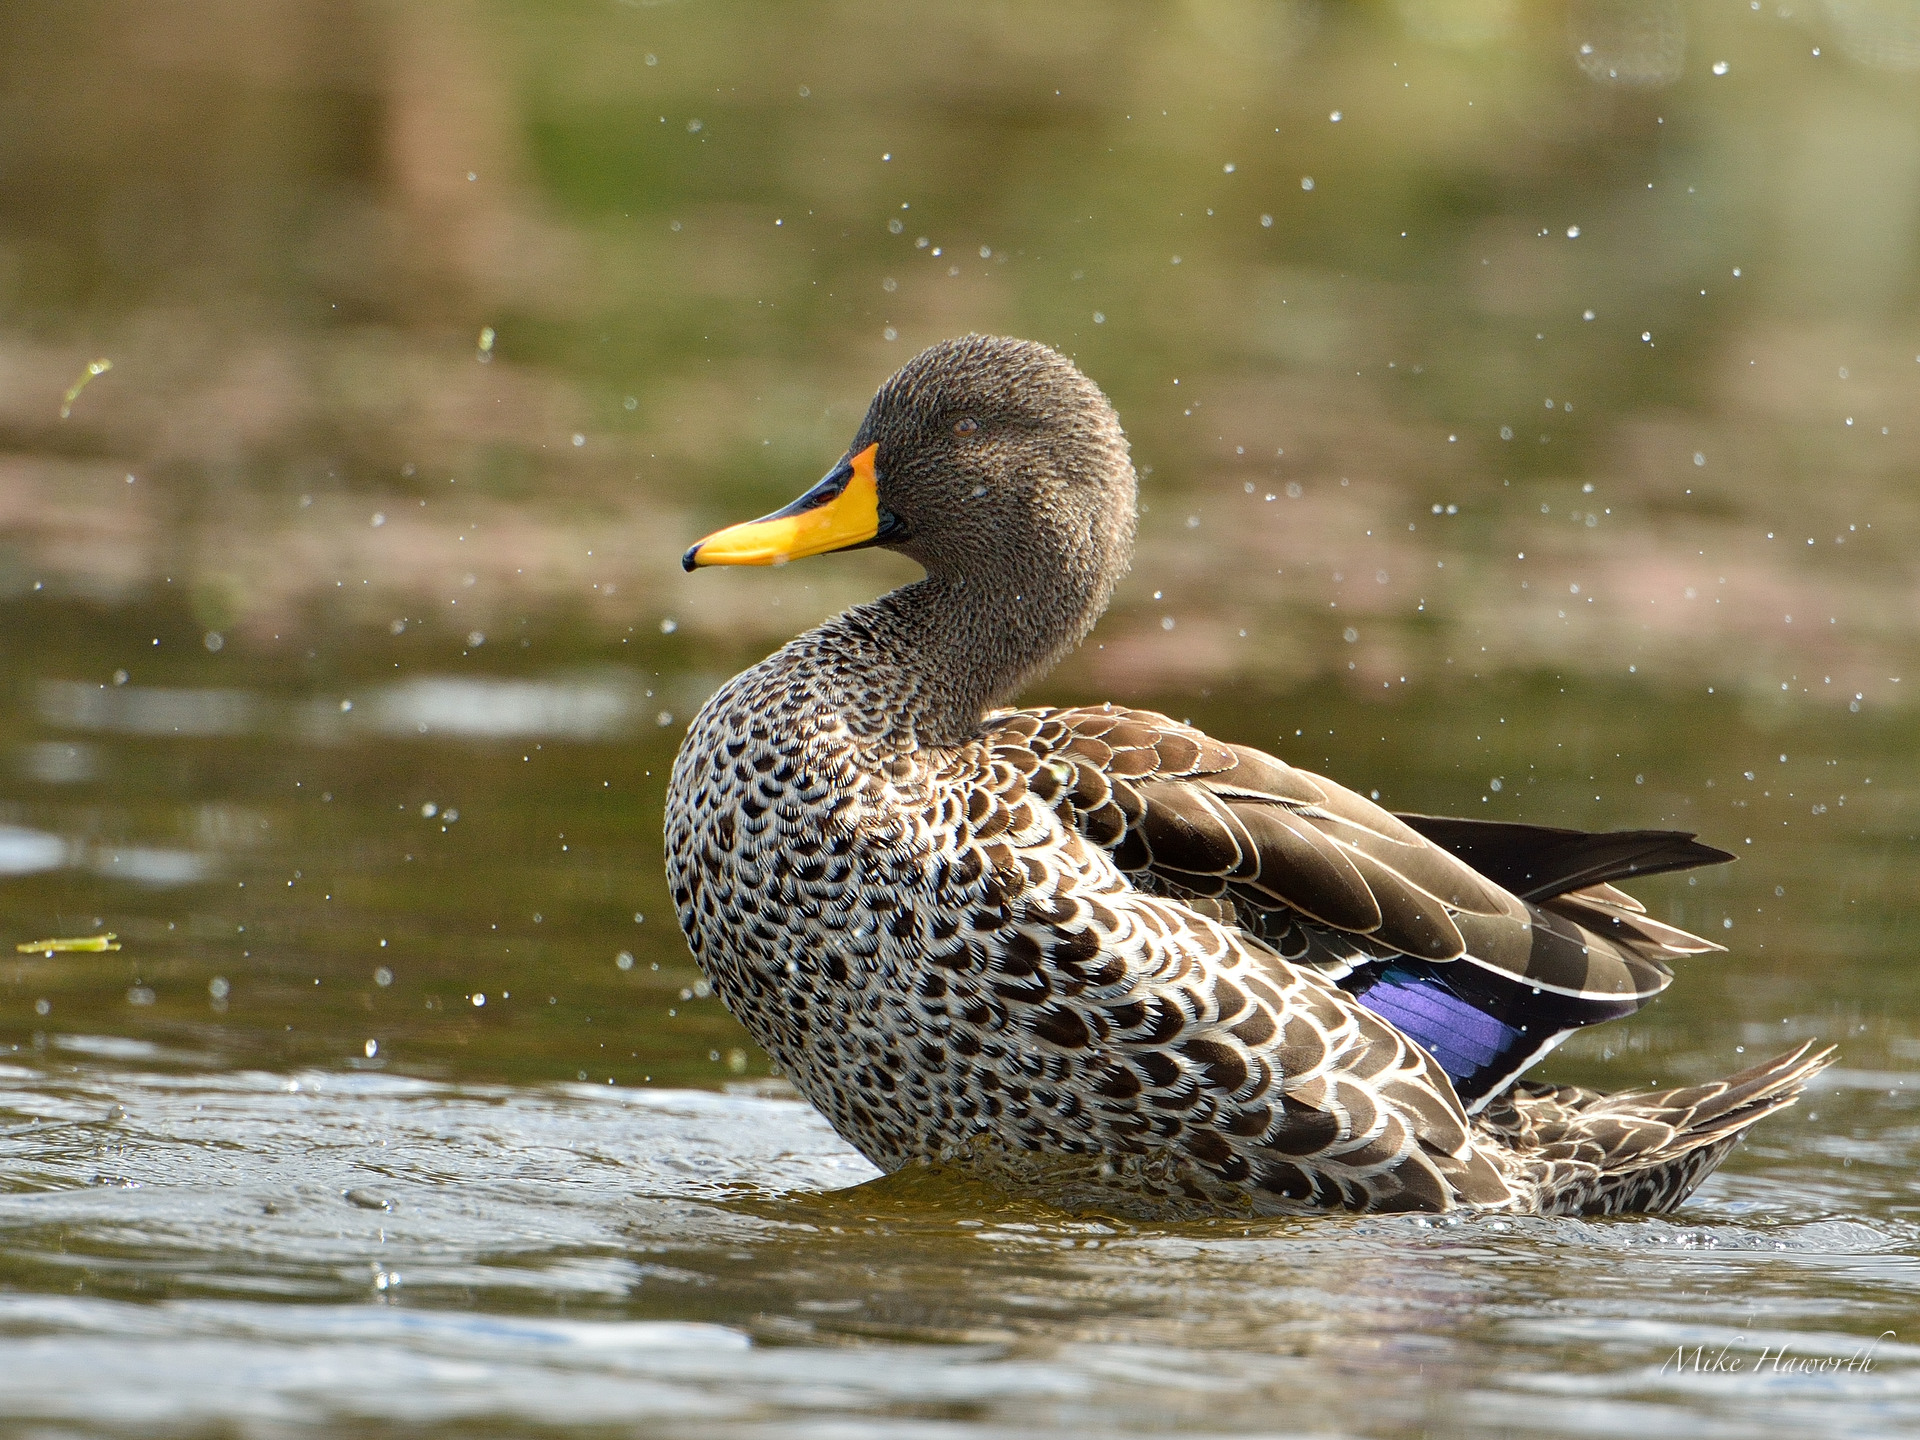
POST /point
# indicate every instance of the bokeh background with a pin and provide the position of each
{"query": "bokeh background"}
(1527, 399)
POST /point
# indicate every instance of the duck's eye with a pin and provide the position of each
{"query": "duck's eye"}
(965, 425)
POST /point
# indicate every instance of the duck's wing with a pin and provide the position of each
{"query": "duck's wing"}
(1485, 978)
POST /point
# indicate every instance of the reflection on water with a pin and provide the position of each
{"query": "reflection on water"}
(52, 763)
(502, 709)
(1523, 398)
(150, 865)
(22, 852)
(26, 852)
(599, 708)
(147, 710)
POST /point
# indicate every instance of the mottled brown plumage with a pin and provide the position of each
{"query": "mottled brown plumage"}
(1100, 954)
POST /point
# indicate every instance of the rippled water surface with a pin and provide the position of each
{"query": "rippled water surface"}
(297, 1251)
(1524, 399)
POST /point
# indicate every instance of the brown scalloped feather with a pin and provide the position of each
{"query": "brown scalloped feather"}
(1183, 832)
(1367, 827)
(1303, 870)
(1411, 920)
(1257, 775)
(1175, 754)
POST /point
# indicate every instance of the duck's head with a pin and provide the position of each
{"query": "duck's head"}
(992, 462)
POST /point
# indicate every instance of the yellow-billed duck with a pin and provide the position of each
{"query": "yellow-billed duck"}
(1099, 955)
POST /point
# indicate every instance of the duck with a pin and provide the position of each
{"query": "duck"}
(1098, 957)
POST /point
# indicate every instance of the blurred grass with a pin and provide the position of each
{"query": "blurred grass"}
(264, 217)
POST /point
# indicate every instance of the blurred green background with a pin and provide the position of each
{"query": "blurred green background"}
(1525, 398)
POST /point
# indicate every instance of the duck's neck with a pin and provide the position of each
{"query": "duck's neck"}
(920, 666)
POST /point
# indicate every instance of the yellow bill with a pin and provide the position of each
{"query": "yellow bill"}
(840, 513)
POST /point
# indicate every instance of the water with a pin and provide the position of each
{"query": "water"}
(344, 650)
(295, 1252)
